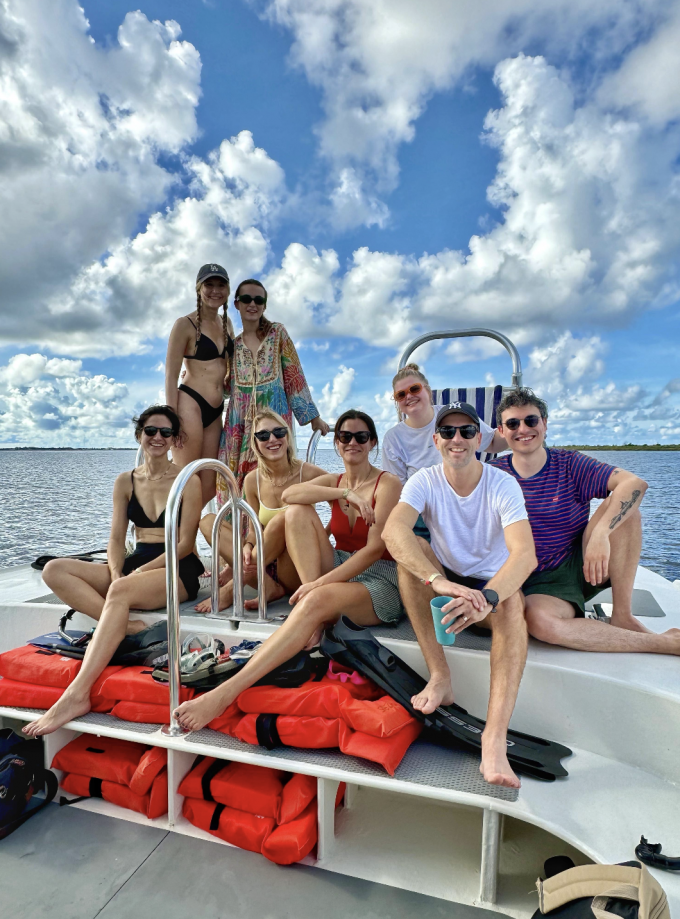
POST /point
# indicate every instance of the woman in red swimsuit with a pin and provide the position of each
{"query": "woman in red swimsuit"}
(357, 578)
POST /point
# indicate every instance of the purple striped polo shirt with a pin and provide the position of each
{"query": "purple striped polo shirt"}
(558, 501)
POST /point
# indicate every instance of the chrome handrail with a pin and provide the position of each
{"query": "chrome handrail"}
(237, 566)
(470, 333)
(313, 445)
(172, 569)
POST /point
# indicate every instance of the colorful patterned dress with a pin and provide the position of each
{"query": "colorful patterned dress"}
(274, 381)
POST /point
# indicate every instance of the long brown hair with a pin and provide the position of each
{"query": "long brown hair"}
(225, 318)
(265, 325)
(270, 415)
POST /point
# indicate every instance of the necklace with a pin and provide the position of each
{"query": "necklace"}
(158, 477)
(355, 488)
(274, 481)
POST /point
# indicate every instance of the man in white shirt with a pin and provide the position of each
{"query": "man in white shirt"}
(481, 553)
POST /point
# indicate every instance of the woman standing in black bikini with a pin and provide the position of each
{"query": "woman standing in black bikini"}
(108, 592)
(205, 342)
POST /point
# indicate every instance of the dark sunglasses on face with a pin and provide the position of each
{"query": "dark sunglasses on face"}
(401, 394)
(245, 299)
(467, 431)
(279, 434)
(361, 437)
(512, 424)
(151, 431)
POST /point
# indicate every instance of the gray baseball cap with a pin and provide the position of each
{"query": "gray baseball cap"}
(211, 271)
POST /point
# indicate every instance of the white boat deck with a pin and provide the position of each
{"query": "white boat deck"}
(619, 713)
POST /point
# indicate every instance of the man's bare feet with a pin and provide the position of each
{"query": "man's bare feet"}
(629, 622)
(196, 714)
(226, 599)
(495, 766)
(70, 706)
(437, 692)
(274, 592)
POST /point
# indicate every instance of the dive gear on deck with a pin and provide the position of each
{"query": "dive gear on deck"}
(356, 648)
(22, 775)
(650, 854)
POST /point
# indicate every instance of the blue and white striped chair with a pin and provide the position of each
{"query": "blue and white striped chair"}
(485, 399)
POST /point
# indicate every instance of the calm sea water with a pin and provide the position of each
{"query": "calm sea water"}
(59, 502)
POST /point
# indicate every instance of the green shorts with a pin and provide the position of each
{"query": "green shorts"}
(566, 582)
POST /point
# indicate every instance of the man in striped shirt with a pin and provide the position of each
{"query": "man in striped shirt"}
(577, 557)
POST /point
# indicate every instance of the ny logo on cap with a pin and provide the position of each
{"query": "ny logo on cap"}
(455, 404)
(214, 267)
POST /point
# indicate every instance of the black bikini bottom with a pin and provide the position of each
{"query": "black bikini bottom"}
(208, 412)
(190, 567)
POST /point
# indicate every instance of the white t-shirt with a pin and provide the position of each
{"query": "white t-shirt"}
(467, 533)
(405, 450)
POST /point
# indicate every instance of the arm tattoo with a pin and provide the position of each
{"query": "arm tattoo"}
(625, 507)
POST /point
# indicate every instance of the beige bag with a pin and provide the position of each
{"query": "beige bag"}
(602, 882)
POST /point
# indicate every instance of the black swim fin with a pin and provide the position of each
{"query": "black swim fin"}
(355, 647)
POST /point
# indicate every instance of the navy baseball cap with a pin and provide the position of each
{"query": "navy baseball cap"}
(211, 271)
(463, 407)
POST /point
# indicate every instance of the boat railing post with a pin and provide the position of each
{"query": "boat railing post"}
(173, 729)
(313, 445)
(215, 555)
(261, 572)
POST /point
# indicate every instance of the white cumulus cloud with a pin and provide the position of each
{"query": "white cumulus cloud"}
(335, 393)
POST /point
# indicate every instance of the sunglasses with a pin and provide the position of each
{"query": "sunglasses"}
(246, 299)
(512, 424)
(151, 431)
(401, 394)
(279, 434)
(467, 431)
(361, 437)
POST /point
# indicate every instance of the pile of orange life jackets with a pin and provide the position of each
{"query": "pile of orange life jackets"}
(254, 807)
(128, 774)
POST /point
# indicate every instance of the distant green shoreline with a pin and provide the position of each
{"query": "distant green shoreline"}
(584, 447)
(637, 448)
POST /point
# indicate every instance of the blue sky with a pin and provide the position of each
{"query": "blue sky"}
(387, 168)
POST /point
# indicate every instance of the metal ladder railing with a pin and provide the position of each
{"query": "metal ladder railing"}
(313, 445)
(173, 729)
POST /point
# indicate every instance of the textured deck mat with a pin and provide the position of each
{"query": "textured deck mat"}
(471, 641)
(424, 764)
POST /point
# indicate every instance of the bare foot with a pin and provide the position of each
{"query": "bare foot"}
(629, 622)
(674, 636)
(70, 706)
(437, 692)
(196, 714)
(274, 592)
(134, 626)
(495, 766)
(226, 575)
(226, 599)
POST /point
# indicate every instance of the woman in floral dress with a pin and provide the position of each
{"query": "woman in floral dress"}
(265, 373)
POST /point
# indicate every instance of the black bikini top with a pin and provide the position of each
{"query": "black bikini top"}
(138, 516)
(206, 349)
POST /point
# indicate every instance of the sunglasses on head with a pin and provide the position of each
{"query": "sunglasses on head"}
(467, 431)
(401, 394)
(151, 430)
(246, 299)
(279, 434)
(512, 424)
(361, 437)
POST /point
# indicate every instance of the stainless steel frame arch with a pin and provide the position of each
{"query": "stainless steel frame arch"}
(470, 333)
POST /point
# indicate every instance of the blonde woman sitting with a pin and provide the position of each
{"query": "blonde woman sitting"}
(263, 487)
